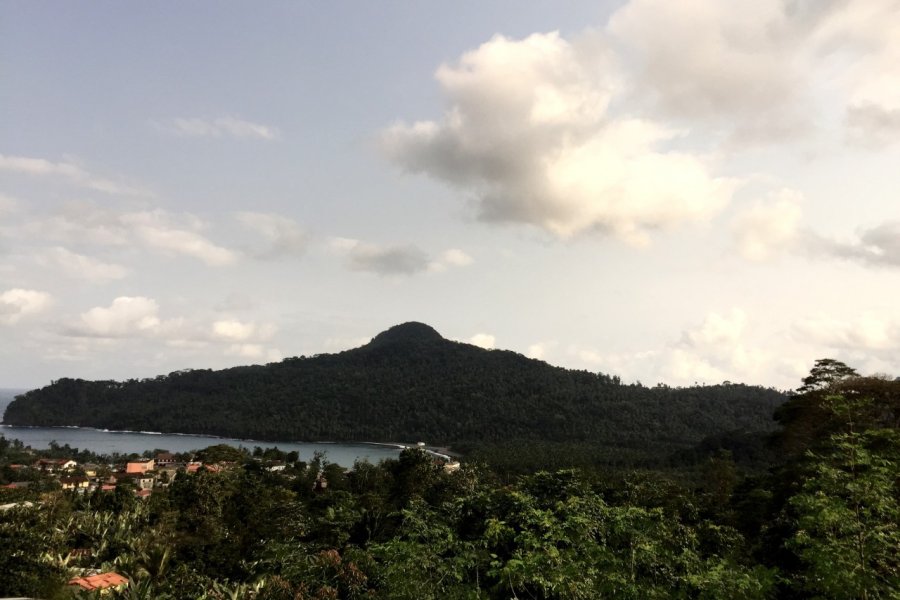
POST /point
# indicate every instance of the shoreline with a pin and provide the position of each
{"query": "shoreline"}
(439, 451)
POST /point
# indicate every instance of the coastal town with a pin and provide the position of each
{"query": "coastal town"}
(30, 478)
(143, 475)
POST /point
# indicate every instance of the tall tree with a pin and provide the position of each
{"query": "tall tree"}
(848, 513)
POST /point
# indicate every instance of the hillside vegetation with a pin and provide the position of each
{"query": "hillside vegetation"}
(409, 384)
(822, 523)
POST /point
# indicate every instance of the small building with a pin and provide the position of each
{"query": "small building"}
(53, 465)
(78, 484)
(193, 467)
(104, 582)
(143, 494)
(141, 481)
(90, 469)
(140, 466)
(166, 475)
(164, 459)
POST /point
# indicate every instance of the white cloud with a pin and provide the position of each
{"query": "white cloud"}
(158, 230)
(770, 227)
(284, 236)
(251, 351)
(756, 69)
(867, 333)
(78, 222)
(40, 167)
(717, 330)
(483, 340)
(719, 348)
(449, 259)
(456, 258)
(773, 227)
(528, 135)
(220, 127)
(878, 246)
(154, 229)
(735, 64)
(127, 316)
(82, 267)
(537, 350)
(234, 330)
(254, 352)
(18, 303)
(138, 318)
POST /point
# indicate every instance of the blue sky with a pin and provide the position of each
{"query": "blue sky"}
(671, 192)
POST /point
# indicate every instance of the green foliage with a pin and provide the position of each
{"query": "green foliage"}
(822, 525)
(825, 374)
(28, 543)
(848, 517)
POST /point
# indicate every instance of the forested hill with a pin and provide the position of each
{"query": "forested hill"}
(408, 384)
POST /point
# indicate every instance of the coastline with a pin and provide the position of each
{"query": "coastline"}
(439, 451)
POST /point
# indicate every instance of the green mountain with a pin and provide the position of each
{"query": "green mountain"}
(407, 384)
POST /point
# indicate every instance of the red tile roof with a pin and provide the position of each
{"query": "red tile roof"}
(99, 582)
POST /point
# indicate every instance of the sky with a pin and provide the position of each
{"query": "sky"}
(671, 192)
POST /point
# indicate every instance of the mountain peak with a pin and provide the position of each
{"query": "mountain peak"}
(407, 333)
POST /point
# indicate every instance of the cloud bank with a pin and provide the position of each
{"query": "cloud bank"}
(18, 303)
(39, 167)
(161, 231)
(529, 136)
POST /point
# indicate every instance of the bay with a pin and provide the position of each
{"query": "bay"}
(127, 442)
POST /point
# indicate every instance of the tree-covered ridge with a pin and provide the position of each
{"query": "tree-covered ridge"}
(408, 384)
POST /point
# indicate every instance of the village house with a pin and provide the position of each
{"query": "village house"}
(141, 481)
(78, 484)
(166, 474)
(104, 582)
(451, 465)
(165, 459)
(140, 466)
(54, 465)
(90, 469)
(193, 467)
